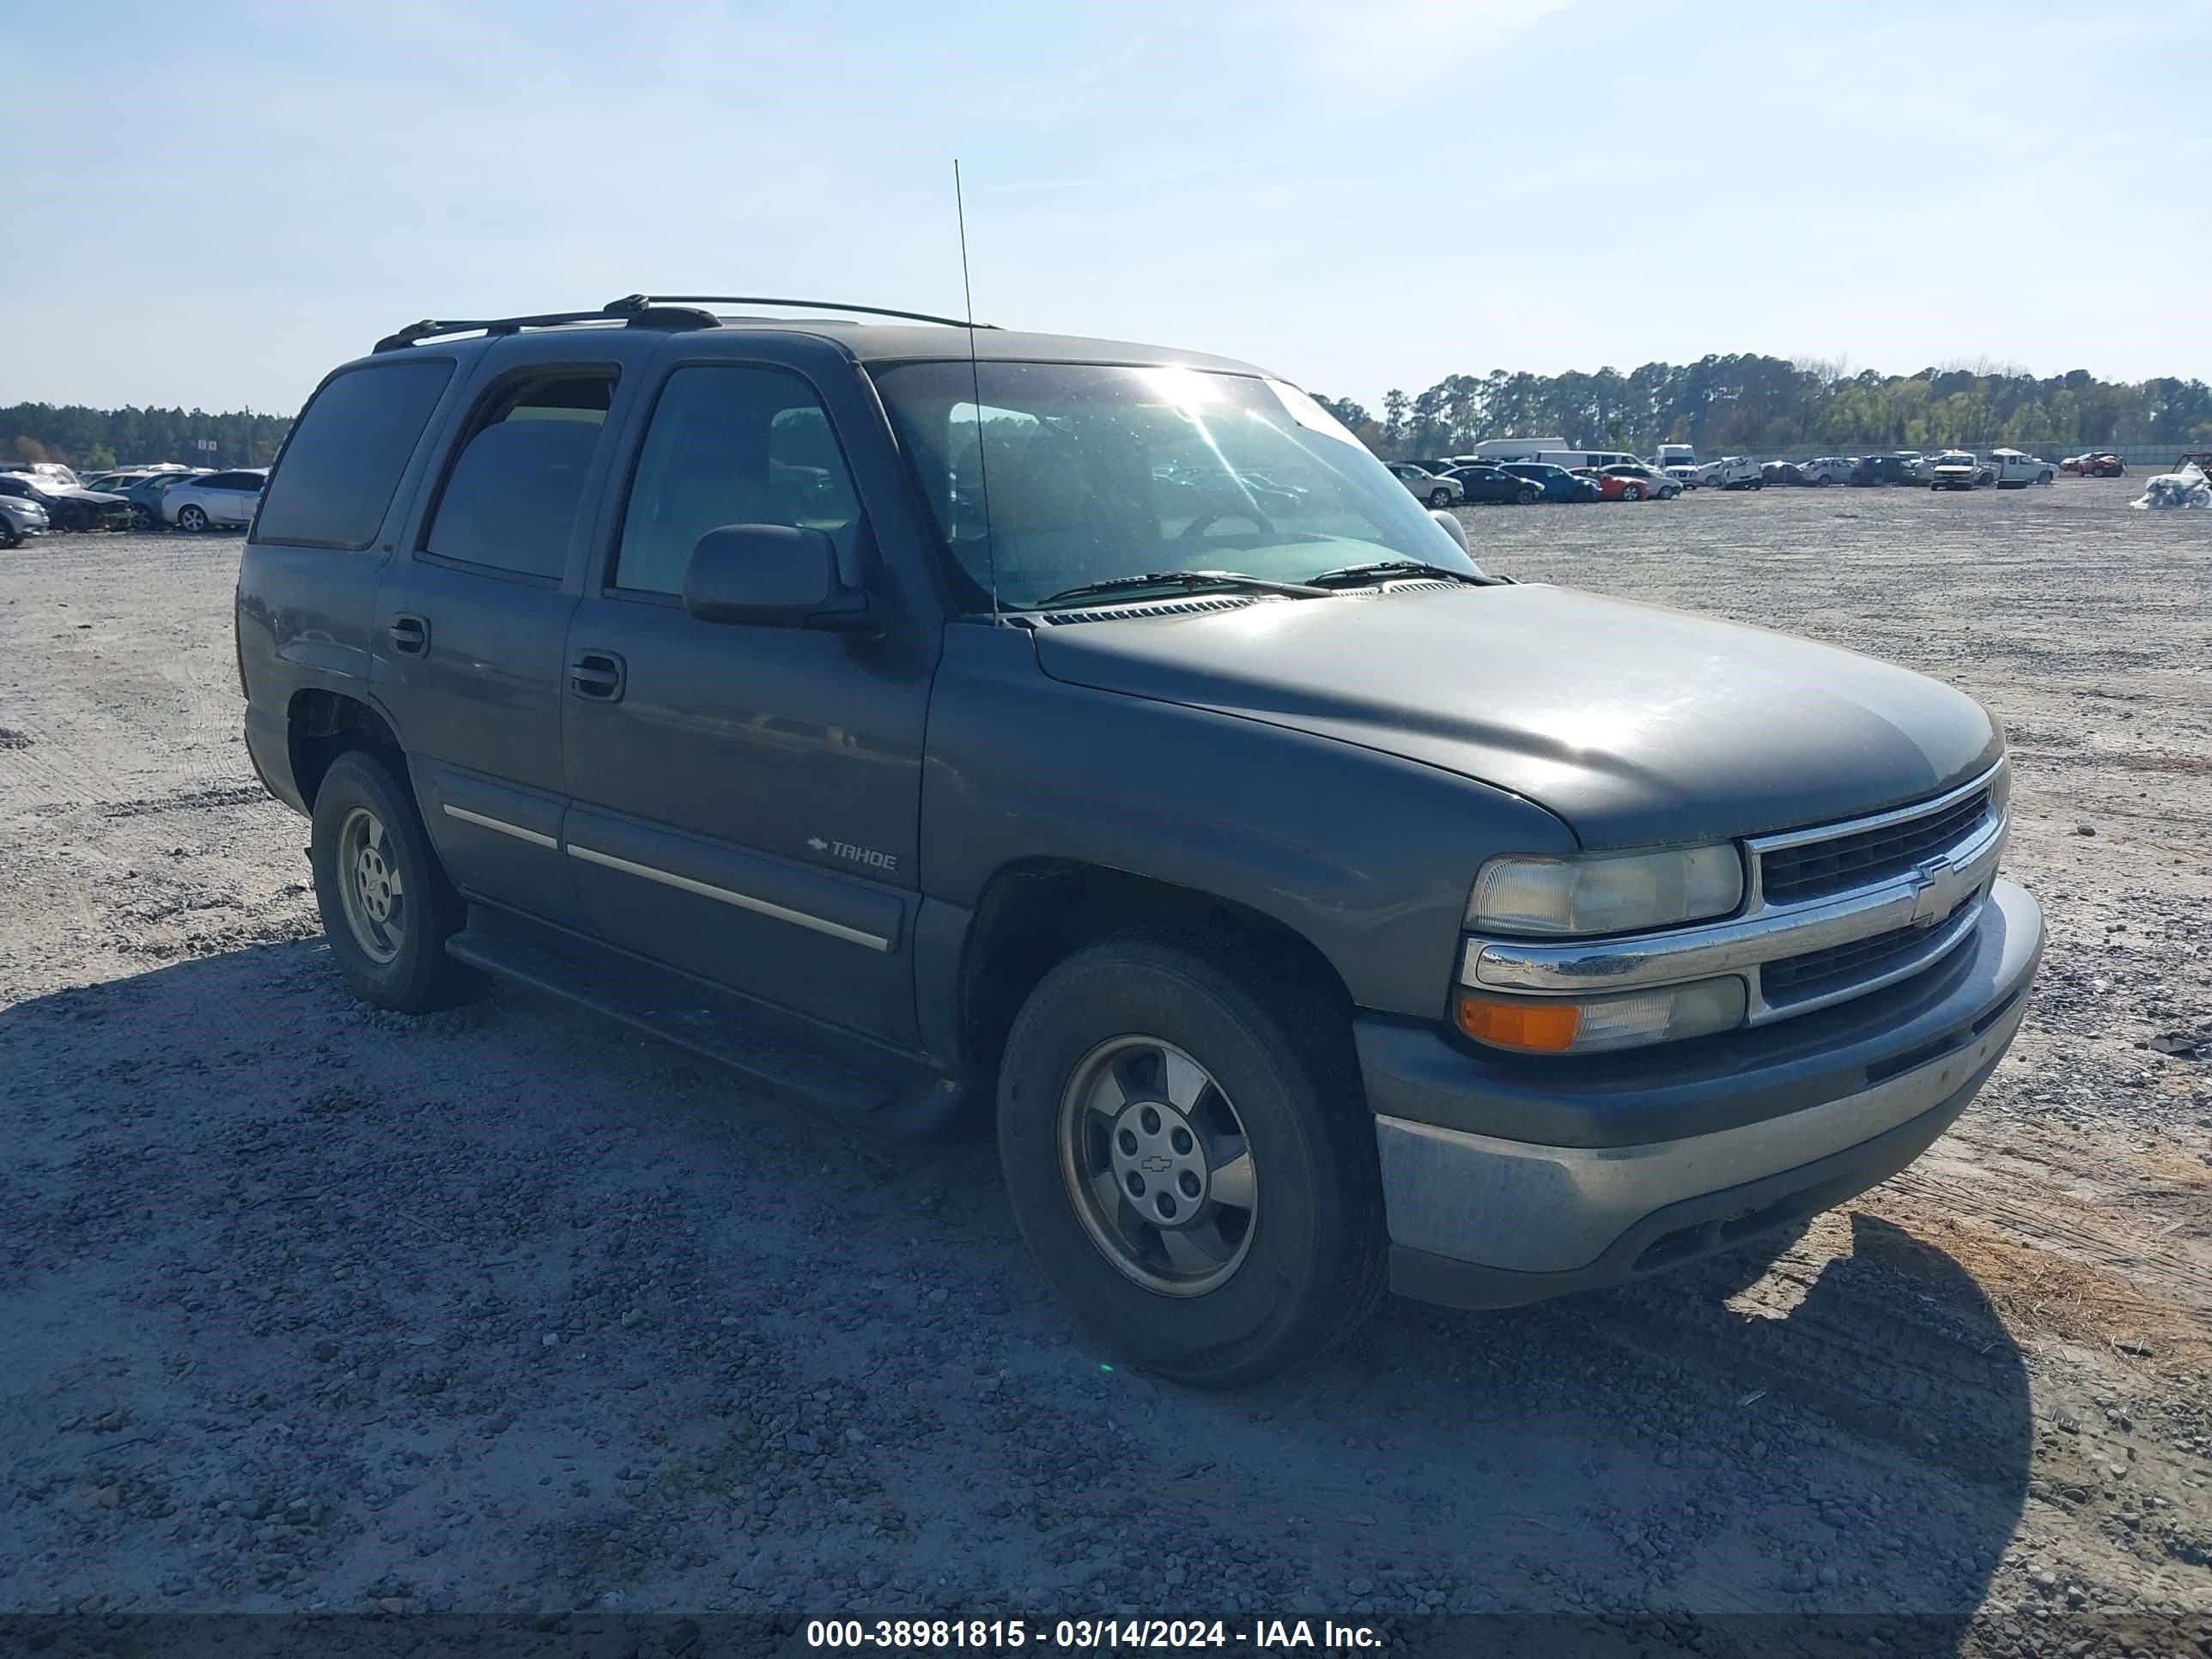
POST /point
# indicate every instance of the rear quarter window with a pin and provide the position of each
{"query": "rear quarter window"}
(334, 483)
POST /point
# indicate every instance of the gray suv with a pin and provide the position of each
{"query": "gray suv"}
(940, 726)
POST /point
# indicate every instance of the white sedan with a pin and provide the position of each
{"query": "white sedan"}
(214, 498)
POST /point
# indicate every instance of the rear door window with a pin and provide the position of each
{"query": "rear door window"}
(509, 501)
(335, 480)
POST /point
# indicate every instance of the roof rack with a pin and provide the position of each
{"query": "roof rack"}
(636, 302)
(635, 312)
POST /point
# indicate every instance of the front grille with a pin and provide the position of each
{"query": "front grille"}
(1821, 869)
(1800, 978)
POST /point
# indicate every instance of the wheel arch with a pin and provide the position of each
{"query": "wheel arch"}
(320, 725)
(1035, 913)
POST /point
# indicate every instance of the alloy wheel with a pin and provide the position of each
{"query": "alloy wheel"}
(1157, 1166)
(369, 886)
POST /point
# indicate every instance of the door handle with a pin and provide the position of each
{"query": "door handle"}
(598, 676)
(409, 636)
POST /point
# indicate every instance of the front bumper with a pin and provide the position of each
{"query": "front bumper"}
(1510, 1181)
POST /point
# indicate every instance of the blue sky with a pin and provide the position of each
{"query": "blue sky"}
(214, 211)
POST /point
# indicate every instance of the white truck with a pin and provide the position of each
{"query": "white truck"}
(2016, 469)
(1678, 462)
(1730, 472)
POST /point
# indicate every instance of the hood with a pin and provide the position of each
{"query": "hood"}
(1636, 725)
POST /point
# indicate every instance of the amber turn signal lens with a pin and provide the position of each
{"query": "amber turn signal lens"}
(1545, 1028)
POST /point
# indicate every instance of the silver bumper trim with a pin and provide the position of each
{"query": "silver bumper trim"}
(1528, 1208)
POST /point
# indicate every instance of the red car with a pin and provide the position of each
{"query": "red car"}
(2097, 464)
(1636, 484)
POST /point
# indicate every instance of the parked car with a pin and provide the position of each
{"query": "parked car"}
(1955, 469)
(1830, 469)
(2101, 464)
(49, 474)
(1491, 483)
(145, 495)
(1885, 470)
(1783, 473)
(1635, 481)
(20, 518)
(1730, 472)
(1554, 483)
(210, 499)
(68, 505)
(1539, 998)
(2011, 469)
(1431, 487)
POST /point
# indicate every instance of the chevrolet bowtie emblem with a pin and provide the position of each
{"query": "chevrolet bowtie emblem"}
(1932, 893)
(1156, 1165)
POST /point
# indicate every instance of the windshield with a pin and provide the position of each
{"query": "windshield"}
(1093, 473)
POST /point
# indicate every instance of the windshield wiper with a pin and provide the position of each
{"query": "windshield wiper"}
(1352, 574)
(1188, 579)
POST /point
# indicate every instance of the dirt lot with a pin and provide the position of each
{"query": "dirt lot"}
(312, 1308)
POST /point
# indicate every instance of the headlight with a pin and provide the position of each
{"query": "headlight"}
(1557, 1025)
(1605, 893)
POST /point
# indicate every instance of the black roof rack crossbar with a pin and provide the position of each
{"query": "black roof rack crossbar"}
(646, 315)
(639, 302)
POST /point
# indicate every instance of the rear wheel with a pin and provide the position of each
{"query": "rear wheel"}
(1188, 1158)
(1632, 492)
(387, 905)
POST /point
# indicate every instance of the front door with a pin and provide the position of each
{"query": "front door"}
(744, 801)
(470, 626)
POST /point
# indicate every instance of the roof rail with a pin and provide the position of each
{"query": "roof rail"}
(644, 314)
(641, 301)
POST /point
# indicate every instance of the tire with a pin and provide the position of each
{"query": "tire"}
(2045, 478)
(1632, 492)
(387, 907)
(9, 536)
(192, 517)
(1439, 499)
(142, 518)
(1526, 498)
(1823, 481)
(1262, 1059)
(1667, 493)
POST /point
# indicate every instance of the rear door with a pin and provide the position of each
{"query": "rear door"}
(744, 802)
(472, 615)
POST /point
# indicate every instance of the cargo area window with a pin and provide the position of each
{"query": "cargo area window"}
(334, 483)
(732, 444)
(509, 502)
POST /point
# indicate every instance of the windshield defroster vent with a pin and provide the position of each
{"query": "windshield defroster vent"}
(1156, 608)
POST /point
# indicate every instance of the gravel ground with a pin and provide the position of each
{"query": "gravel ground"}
(313, 1308)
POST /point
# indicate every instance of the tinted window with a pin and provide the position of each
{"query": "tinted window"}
(335, 479)
(730, 445)
(510, 501)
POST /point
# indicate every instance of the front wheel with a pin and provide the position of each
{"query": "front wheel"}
(387, 905)
(140, 518)
(1525, 498)
(1439, 499)
(1187, 1157)
(9, 536)
(192, 517)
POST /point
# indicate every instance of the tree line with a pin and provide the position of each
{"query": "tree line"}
(1723, 405)
(1755, 405)
(94, 440)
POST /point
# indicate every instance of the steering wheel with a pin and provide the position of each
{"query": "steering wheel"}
(1235, 508)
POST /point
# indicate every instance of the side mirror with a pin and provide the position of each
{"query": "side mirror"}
(1454, 528)
(773, 576)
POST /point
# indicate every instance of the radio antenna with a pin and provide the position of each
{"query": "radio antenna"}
(975, 386)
